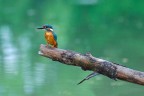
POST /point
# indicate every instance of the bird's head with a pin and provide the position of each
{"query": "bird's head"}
(46, 27)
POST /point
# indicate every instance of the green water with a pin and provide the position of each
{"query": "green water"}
(109, 29)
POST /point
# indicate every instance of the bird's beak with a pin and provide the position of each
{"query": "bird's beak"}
(40, 28)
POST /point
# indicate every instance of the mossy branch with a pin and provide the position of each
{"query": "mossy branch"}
(88, 62)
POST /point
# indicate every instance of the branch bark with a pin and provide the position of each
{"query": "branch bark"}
(88, 62)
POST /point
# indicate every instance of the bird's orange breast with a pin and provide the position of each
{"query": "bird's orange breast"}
(50, 38)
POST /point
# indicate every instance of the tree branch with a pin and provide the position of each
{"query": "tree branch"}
(88, 62)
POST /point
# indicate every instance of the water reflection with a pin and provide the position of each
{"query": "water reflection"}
(27, 75)
(20, 69)
(9, 51)
(28, 79)
(39, 74)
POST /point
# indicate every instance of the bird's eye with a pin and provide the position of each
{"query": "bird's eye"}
(44, 26)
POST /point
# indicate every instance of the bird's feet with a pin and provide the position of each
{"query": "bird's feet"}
(49, 46)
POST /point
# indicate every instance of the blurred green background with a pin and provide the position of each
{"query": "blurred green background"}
(109, 29)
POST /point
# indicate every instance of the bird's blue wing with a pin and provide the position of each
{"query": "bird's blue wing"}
(55, 36)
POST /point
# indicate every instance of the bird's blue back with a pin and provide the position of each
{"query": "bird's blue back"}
(55, 36)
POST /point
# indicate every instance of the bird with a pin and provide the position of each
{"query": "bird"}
(50, 36)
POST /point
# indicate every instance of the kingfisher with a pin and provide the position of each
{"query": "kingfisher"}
(50, 36)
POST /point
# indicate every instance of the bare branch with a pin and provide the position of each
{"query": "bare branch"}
(88, 62)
